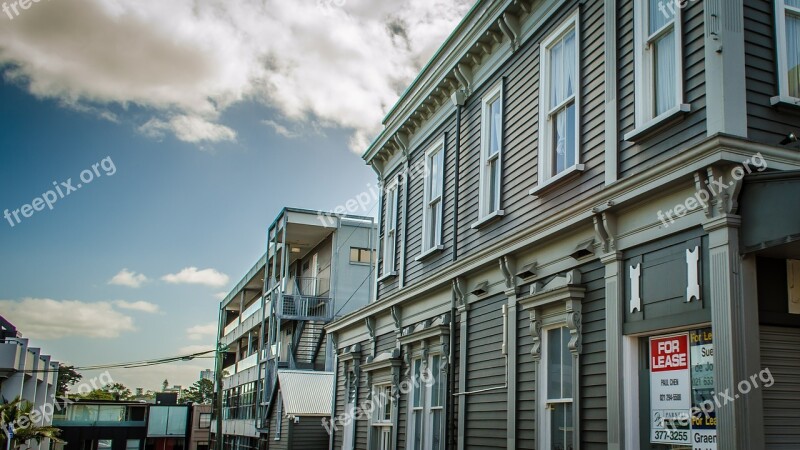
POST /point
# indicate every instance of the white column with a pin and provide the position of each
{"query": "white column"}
(614, 317)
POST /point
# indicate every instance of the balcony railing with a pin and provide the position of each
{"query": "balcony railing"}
(247, 363)
(311, 286)
(230, 327)
(299, 307)
(252, 309)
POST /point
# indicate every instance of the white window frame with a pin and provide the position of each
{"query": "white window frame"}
(351, 392)
(495, 93)
(382, 427)
(545, 416)
(390, 229)
(546, 135)
(645, 66)
(425, 408)
(782, 10)
(433, 228)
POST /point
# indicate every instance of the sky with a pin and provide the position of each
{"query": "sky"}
(146, 146)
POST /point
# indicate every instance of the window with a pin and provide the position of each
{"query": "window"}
(658, 61)
(133, 444)
(390, 231)
(432, 212)
(558, 380)
(382, 417)
(426, 405)
(349, 411)
(559, 125)
(360, 255)
(205, 420)
(491, 153)
(788, 34)
(278, 416)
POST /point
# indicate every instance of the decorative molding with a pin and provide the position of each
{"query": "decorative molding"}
(635, 273)
(699, 185)
(509, 25)
(605, 227)
(536, 334)
(397, 317)
(460, 293)
(574, 309)
(508, 267)
(370, 323)
(692, 274)
(385, 360)
(428, 329)
(570, 278)
(351, 353)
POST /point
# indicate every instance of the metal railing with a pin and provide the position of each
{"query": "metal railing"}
(312, 286)
(298, 307)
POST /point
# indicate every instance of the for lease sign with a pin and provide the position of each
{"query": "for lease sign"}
(670, 389)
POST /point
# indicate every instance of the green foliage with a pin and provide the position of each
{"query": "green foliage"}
(114, 391)
(67, 376)
(202, 391)
(20, 414)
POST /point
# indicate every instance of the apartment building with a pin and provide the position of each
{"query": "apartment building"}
(27, 373)
(317, 267)
(588, 235)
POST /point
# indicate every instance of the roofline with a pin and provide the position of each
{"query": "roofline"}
(262, 262)
(316, 212)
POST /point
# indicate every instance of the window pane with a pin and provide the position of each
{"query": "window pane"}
(353, 254)
(795, 3)
(417, 402)
(436, 395)
(561, 426)
(557, 80)
(666, 82)
(566, 365)
(495, 126)
(387, 404)
(494, 185)
(436, 433)
(417, 430)
(564, 139)
(433, 220)
(435, 175)
(132, 444)
(793, 50)
(554, 363)
(661, 13)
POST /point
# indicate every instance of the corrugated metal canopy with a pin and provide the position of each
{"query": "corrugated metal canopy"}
(306, 393)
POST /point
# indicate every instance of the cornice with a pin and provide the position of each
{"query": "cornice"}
(715, 149)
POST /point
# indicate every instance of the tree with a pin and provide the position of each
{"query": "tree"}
(67, 376)
(20, 415)
(118, 391)
(165, 384)
(202, 391)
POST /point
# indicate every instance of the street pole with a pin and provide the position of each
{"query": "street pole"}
(219, 361)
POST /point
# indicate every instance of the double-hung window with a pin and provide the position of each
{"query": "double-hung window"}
(558, 382)
(491, 153)
(658, 61)
(432, 212)
(426, 405)
(788, 36)
(381, 419)
(390, 230)
(559, 117)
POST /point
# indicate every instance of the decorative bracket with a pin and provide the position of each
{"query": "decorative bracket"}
(508, 267)
(699, 181)
(693, 273)
(574, 325)
(370, 323)
(509, 25)
(536, 334)
(605, 227)
(460, 293)
(636, 299)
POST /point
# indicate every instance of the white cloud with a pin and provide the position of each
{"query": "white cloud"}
(339, 63)
(199, 332)
(280, 129)
(191, 129)
(128, 278)
(192, 275)
(43, 318)
(140, 306)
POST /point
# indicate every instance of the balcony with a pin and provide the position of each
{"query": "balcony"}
(299, 307)
(230, 327)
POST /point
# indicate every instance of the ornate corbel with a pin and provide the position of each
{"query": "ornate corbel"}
(536, 334)
(370, 323)
(460, 293)
(509, 25)
(605, 229)
(508, 267)
(574, 326)
(699, 184)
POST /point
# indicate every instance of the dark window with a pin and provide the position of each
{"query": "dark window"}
(205, 420)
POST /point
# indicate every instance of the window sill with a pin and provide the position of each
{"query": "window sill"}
(785, 101)
(557, 180)
(488, 219)
(659, 123)
(387, 276)
(427, 253)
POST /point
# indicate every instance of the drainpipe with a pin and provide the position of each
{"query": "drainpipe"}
(458, 99)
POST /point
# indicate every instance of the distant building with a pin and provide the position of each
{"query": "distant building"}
(27, 373)
(207, 374)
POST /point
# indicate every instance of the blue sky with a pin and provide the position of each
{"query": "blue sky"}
(215, 115)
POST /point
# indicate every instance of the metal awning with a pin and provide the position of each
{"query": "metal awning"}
(769, 205)
(306, 393)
